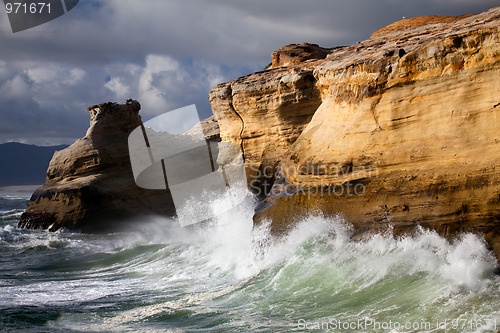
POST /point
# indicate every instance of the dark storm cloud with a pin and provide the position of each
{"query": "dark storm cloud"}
(167, 54)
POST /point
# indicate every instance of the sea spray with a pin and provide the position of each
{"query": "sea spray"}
(226, 275)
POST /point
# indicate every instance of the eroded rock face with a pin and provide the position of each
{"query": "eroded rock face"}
(89, 185)
(406, 131)
(264, 113)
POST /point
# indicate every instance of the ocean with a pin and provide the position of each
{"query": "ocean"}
(226, 276)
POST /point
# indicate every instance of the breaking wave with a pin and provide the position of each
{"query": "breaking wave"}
(226, 276)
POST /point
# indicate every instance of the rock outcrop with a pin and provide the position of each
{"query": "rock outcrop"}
(90, 185)
(297, 53)
(397, 131)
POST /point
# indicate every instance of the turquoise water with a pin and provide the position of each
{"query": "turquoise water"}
(229, 277)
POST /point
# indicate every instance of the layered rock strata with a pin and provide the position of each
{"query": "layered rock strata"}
(397, 131)
(264, 113)
(90, 185)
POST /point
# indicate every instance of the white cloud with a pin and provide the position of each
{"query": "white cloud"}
(75, 76)
(119, 88)
(43, 74)
(54, 73)
(151, 95)
(15, 88)
(163, 83)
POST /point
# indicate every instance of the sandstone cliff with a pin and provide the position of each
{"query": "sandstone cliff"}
(89, 185)
(400, 130)
(264, 113)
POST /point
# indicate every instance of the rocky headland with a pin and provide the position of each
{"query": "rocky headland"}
(398, 131)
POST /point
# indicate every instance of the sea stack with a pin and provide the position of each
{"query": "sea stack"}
(90, 185)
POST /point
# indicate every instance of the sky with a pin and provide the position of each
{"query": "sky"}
(167, 53)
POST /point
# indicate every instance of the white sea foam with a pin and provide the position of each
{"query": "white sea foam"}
(231, 243)
(231, 265)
